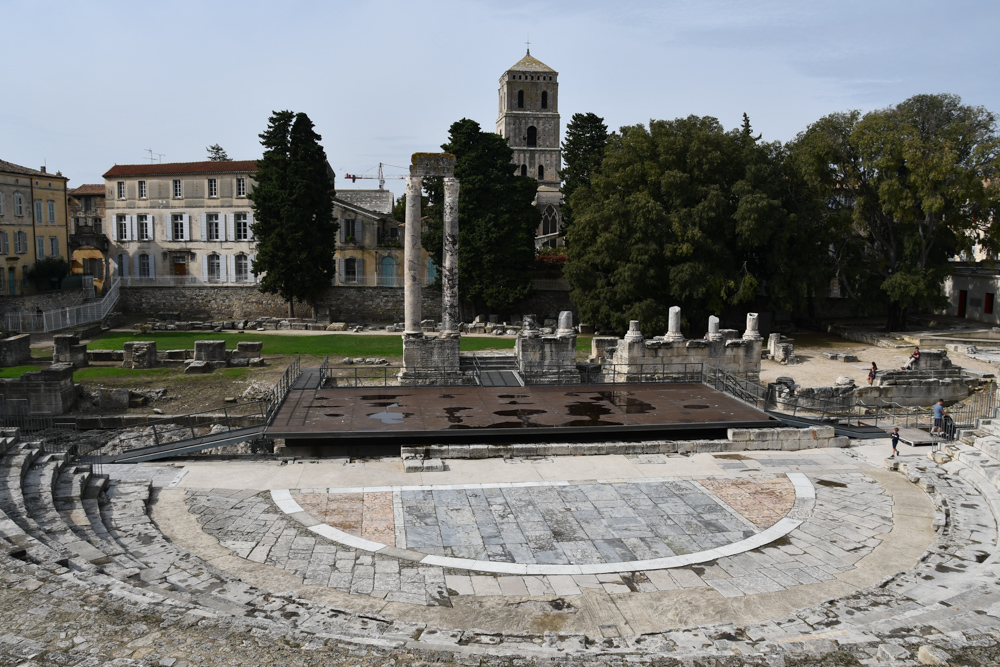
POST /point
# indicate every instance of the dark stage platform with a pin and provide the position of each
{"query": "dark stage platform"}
(414, 415)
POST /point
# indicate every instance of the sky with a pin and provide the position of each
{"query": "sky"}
(91, 84)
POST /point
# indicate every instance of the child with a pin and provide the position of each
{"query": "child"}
(895, 442)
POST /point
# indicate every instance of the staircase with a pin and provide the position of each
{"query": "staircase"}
(493, 370)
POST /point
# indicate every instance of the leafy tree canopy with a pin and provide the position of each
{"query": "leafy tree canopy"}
(907, 187)
(217, 153)
(497, 219)
(293, 211)
(685, 213)
(582, 152)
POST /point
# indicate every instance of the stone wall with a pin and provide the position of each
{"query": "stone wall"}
(15, 350)
(50, 390)
(54, 300)
(195, 303)
(375, 305)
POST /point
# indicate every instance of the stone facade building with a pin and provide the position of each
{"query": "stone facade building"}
(32, 221)
(181, 223)
(88, 245)
(529, 121)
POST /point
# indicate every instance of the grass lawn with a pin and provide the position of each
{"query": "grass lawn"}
(334, 344)
(16, 371)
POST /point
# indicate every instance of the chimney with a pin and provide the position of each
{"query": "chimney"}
(43, 169)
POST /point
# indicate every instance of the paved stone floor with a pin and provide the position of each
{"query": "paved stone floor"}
(626, 522)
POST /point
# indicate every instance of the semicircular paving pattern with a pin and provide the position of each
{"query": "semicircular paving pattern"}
(560, 528)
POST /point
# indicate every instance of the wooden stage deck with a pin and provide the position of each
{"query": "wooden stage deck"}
(533, 412)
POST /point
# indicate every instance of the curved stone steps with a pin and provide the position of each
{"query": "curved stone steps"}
(71, 487)
(48, 526)
(15, 462)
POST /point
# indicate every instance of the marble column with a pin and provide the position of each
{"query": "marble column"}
(752, 332)
(633, 335)
(713, 328)
(565, 323)
(449, 272)
(411, 258)
(674, 334)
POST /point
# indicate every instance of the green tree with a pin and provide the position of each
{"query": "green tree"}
(47, 273)
(497, 219)
(909, 186)
(217, 153)
(685, 213)
(293, 211)
(582, 152)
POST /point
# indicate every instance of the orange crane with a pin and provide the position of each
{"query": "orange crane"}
(381, 177)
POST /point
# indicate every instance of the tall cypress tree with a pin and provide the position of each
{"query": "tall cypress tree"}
(293, 211)
(582, 152)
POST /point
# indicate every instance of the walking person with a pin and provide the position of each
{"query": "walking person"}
(938, 428)
(872, 373)
(895, 441)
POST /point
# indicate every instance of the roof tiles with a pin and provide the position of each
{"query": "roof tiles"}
(181, 168)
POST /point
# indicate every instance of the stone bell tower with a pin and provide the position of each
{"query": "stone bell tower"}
(529, 121)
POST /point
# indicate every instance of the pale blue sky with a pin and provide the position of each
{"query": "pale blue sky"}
(91, 84)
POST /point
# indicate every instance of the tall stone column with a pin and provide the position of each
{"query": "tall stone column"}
(674, 323)
(411, 257)
(449, 272)
(752, 333)
(713, 329)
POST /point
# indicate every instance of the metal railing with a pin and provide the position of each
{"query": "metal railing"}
(633, 373)
(746, 389)
(282, 387)
(383, 376)
(187, 280)
(16, 413)
(63, 318)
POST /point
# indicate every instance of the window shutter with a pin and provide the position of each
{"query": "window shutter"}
(340, 271)
(114, 228)
(231, 227)
(187, 227)
(204, 226)
(6, 246)
(232, 268)
(250, 226)
(204, 267)
(124, 265)
(152, 265)
(343, 232)
(360, 264)
(250, 275)
(132, 232)
(223, 265)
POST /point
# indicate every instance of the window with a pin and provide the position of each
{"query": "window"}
(40, 250)
(988, 304)
(387, 272)
(122, 228)
(38, 211)
(143, 224)
(88, 204)
(532, 136)
(177, 188)
(143, 265)
(350, 230)
(52, 212)
(177, 222)
(242, 269)
(524, 170)
(213, 187)
(550, 220)
(242, 227)
(241, 186)
(212, 226)
(142, 189)
(214, 267)
(20, 242)
(545, 99)
(53, 246)
(520, 99)
(350, 270)
(541, 172)
(18, 204)
(4, 243)
(121, 189)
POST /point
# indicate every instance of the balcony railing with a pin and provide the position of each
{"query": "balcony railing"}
(187, 280)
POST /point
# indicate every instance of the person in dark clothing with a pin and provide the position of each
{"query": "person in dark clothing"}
(872, 372)
(895, 441)
(912, 360)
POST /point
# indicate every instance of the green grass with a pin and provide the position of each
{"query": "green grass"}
(107, 372)
(342, 345)
(583, 344)
(16, 371)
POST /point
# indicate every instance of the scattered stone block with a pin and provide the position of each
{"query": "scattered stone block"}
(112, 400)
(932, 655)
(210, 350)
(198, 367)
(139, 354)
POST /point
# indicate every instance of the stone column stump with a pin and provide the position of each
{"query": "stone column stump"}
(140, 354)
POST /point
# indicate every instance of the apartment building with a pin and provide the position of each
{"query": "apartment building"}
(181, 223)
(33, 214)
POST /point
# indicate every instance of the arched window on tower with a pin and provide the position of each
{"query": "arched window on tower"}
(550, 220)
(532, 137)
(524, 170)
(545, 99)
(541, 172)
(520, 99)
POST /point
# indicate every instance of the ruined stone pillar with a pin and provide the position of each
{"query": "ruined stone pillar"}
(449, 272)
(411, 258)
(713, 328)
(565, 323)
(674, 334)
(752, 332)
(633, 335)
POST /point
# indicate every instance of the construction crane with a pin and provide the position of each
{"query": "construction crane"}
(381, 177)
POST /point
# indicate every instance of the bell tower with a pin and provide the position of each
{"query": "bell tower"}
(529, 121)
